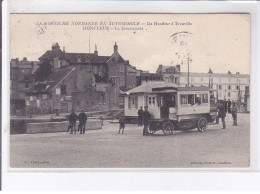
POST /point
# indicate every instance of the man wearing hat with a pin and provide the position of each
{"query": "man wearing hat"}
(82, 122)
(146, 119)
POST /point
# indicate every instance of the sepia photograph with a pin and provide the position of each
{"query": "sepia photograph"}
(129, 91)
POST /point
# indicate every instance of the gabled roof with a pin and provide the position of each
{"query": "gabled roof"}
(116, 57)
(51, 54)
(50, 82)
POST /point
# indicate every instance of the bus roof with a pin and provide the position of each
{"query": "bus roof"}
(167, 89)
(163, 87)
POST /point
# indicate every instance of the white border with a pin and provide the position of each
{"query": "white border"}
(138, 178)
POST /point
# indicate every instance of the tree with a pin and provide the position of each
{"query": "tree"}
(44, 70)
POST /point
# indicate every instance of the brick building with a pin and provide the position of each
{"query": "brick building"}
(81, 81)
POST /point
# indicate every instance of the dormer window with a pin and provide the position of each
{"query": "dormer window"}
(79, 59)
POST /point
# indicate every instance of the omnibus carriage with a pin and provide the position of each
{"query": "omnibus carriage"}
(178, 108)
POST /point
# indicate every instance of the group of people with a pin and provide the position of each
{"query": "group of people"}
(143, 120)
(227, 107)
(73, 117)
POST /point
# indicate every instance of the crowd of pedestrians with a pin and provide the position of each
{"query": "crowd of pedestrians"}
(227, 107)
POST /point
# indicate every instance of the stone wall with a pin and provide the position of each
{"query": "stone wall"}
(51, 127)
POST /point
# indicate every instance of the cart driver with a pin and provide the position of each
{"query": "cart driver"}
(146, 119)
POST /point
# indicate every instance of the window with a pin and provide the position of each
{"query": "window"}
(205, 98)
(184, 99)
(44, 96)
(58, 91)
(228, 94)
(146, 100)
(198, 98)
(220, 87)
(63, 89)
(153, 100)
(121, 68)
(129, 102)
(95, 70)
(133, 102)
(238, 87)
(32, 98)
(136, 102)
(229, 87)
(150, 100)
(26, 85)
(191, 99)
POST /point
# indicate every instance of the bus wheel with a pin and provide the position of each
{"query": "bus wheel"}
(150, 131)
(168, 128)
(202, 124)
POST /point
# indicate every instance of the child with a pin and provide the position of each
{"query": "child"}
(121, 123)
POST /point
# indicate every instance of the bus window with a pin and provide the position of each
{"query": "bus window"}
(197, 98)
(153, 100)
(184, 99)
(191, 99)
(205, 98)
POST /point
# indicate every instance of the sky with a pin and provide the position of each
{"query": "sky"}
(217, 41)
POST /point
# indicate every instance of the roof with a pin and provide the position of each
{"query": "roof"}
(50, 82)
(51, 54)
(73, 57)
(156, 76)
(185, 74)
(148, 86)
(168, 69)
(162, 89)
(152, 87)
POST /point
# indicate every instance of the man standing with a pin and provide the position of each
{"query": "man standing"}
(234, 113)
(121, 123)
(82, 122)
(146, 119)
(140, 116)
(229, 106)
(72, 120)
(222, 114)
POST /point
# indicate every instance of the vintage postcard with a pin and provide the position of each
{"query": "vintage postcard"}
(129, 91)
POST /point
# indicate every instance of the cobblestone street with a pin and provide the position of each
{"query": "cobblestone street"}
(104, 148)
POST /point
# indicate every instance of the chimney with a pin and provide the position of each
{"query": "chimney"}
(55, 46)
(179, 67)
(229, 72)
(96, 52)
(115, 48)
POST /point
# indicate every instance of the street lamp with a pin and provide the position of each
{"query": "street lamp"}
(189, 60)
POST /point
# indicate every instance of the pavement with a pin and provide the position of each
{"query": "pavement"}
(215, 148)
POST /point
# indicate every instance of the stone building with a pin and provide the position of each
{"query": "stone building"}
(21, 78)
(81, 81)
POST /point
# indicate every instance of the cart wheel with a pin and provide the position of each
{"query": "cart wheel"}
(202, 124)
(150, 131)
(168, 128)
